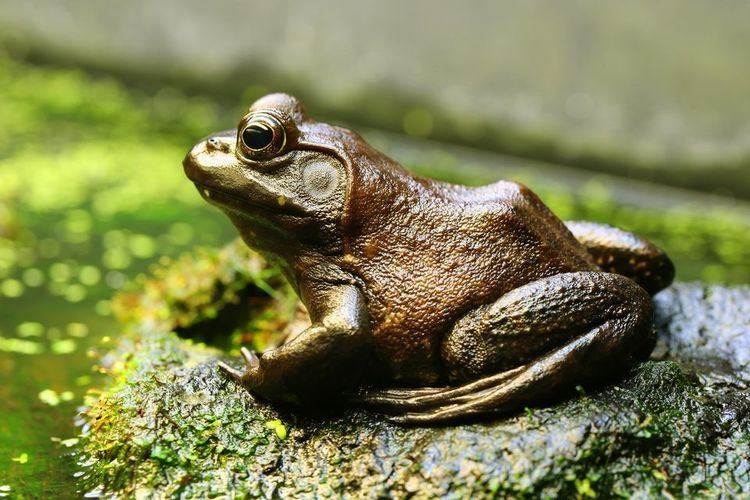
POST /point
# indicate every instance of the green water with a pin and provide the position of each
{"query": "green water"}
(92, 192)
(53, 333)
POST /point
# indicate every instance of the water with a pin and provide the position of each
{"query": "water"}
(54, 331)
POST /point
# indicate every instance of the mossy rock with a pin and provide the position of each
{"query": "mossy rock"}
(168, 424)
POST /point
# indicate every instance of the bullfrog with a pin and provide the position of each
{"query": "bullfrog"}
(429, 301)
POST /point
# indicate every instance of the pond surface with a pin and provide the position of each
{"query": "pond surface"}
(92, 193)
(54, 325)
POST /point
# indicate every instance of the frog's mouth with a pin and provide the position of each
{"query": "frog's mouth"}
(244, 206)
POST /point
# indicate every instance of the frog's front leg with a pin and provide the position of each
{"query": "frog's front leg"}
(531, 345)
(621, 252)
(323, 360)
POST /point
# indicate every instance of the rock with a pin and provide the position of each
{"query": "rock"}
(708, 327)
(168, 424)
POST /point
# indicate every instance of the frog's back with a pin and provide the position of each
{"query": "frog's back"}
(431, 252)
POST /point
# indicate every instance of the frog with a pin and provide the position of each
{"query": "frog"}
(429, 302)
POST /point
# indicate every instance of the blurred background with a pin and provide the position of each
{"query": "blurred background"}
(633, 113)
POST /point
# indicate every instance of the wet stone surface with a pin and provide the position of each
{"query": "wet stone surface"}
(708, 326)
(169, 423)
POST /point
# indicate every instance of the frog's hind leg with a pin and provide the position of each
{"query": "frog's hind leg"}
(532, 345)
(621, 252)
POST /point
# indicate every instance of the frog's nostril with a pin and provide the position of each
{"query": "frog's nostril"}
(219, 144)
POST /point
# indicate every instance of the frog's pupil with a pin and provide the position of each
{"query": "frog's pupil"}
(257, 137)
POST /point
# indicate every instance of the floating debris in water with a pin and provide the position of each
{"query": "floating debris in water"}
(52, 398)
(30, 329)
(20, 346)
(63, 346)
(78, 330)
(33, 277)
(12, 288)
(22, 458)
(68, 443)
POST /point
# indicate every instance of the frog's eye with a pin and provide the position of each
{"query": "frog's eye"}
(257, 137)
(261, 136)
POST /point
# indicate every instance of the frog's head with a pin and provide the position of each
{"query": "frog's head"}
(281, 177)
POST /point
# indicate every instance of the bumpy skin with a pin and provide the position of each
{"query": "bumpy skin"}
(413, 282)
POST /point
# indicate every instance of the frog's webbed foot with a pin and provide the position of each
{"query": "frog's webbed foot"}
(500, 393)
(546, 378)
(412, 399)
(252, 362)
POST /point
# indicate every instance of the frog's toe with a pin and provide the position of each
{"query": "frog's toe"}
(400, 393)
(399, 401)
(393, 400)
(492, 399)
(252, 364)
(403, 401)
(232, 373)
(424, 418)
(251, 359)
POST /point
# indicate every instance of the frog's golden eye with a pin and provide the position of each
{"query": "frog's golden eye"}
(261, 135)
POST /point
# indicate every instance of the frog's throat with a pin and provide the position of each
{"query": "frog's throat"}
(229, 201)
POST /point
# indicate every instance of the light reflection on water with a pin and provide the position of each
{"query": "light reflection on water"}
(53, 324)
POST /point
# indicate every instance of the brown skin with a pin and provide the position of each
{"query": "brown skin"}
(413, 282)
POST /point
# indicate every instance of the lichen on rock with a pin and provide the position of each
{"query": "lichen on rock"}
(168, 423)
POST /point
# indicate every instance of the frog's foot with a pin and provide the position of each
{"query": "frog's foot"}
(251, 365)
(502, 393)
(411, 399)
(541, 380)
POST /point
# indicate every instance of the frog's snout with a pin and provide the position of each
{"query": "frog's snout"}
(209, 152)
(191, 164)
